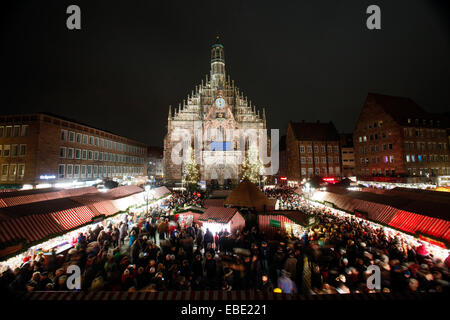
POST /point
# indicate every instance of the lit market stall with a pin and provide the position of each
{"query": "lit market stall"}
(217, 219)
(59, 229)
(190, 215)
(292, 222)
(434, 248)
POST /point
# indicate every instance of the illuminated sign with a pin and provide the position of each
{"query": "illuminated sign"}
(330, 180)
(283, 178)
(275, 223)
(46, 177)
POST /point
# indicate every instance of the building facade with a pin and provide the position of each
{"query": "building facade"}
(221, 119)
(394, 137)
(347, 155)
(155, 167)
(312, 149)
(42, 148)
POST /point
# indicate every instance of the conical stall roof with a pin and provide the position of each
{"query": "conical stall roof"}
(247, 194)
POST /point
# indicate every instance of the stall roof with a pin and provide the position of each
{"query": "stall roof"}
(123, 191)
(417, 201)
(247, 194)
(299, 217)
(161, 192)
(41, 207)
(15, 198)
(218, 214)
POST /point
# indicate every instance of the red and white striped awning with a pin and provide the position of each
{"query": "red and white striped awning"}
(105, 207)
(234, 295)
(68, 219)
(31, 228)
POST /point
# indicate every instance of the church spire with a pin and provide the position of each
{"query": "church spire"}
(218, 64)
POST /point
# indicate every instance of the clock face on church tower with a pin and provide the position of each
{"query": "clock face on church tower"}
(220, 103)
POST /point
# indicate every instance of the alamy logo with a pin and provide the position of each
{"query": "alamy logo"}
(74, 20)
(374, 20)
(374, 280)
(74, 280)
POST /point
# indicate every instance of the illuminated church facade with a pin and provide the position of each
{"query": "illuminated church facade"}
(217, 114)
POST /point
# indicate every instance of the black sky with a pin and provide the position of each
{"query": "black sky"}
(312, 60)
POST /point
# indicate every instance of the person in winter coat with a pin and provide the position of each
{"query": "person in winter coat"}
(211, 271)
(123, 232)
(115, 236)
(291, 266)
(132, 238)
(208, 239)
(264, 256)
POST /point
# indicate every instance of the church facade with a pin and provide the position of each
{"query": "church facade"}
(217, 123)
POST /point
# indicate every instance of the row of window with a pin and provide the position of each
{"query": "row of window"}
(386, 159)
(426, 171)
(424, 133)
(309, 160)
(71, 153)
(321, 171)
(375, 148)
(72, 136)
(13, 150)
(378, 171)
(372, 137)
(93, 171)
(316, 149)
(426, 158)
(424, 122)
(373, 125)
(13, 171)
(13, 131)
(409, 145)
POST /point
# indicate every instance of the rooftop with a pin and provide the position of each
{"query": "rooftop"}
(314, 131)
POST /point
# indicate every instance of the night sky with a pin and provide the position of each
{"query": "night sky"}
(311, 60)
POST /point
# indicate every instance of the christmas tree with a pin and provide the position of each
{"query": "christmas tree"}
(252, 168)
(191, 169)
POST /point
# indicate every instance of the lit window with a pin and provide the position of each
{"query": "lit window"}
(76, 171)
(8, 131)
(16, 131)
(21, 171)
(63, 135)
(14, 150)
(24, 131)
(61, 170)
(69, 170)
(6, 150)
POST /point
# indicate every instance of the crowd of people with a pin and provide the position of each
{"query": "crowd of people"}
(286, 196)
(156, 254)
(180, 199)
